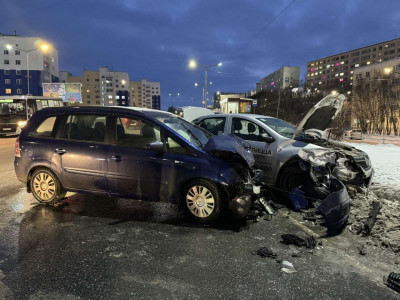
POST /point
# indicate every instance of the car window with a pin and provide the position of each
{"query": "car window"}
(45, 129)
(175, 147)
(283, 128)
(136, 133)
(247, 130)
(214, 125)
(85, 128)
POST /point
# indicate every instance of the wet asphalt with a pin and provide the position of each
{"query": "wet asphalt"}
(92, 247)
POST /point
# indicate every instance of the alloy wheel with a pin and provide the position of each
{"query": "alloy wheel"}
(44, 186)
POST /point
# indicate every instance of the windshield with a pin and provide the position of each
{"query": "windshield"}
(186, 130)
(283, 128)
(12, 110)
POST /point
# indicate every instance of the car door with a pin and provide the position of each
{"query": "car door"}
(134, 168)
(264, 153)
(81, 151)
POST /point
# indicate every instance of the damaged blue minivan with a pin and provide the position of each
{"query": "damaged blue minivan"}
(133, 153)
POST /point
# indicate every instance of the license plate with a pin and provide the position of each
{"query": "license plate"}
(6, 128)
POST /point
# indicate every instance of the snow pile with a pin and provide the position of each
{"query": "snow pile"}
(385, 189)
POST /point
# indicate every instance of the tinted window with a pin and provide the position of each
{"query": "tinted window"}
(214, 125)
(45, 128)
(136, 133)
(85, 128)
(247, 130)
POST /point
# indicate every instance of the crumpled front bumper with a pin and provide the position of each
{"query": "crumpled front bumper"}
(240, 204)
(335, 208)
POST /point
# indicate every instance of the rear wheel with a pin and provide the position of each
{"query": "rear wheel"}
(46, 187)
(202, 200)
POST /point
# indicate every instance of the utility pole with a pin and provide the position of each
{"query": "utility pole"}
(205, 87)
(279, 99)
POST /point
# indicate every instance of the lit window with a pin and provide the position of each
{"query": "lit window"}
(312, 70)
(351, 78)
(87, 91)
(8, 91)
(116, 97)
(123, 97)
(328, 66)
(341, 74)
(351, 72)
(109, 96)
(368, 62)
(341, 79)
(336, 75)
(342, 62)
(320, 82)
(337, 64)
(356, 65)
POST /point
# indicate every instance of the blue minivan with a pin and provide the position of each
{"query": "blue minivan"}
(134, 153)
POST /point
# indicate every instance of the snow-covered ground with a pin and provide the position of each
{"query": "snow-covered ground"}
(385, 159)
(385, 189)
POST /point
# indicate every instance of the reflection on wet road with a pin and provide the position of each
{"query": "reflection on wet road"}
(101, 248)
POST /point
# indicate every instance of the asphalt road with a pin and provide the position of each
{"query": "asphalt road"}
(94, 247)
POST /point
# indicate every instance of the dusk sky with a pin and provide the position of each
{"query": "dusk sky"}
(156, 39)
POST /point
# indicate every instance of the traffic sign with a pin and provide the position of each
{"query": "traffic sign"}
(255, 102)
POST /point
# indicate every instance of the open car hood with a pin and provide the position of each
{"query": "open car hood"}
(232, 146)
(322, 114)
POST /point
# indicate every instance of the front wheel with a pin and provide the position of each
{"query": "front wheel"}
(202, 200)
(290, 177)
(46, 187)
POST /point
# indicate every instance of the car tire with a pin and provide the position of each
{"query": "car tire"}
(202, 200)
(45, 186)
(290, 177)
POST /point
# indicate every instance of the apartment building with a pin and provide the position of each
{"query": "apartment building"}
(15, 52)
(103, 87)
(337, 71)
(283, 78)
(145, 93)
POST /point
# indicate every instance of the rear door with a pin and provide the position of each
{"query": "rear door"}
(264, 153)
(81, 151)
(133, 169)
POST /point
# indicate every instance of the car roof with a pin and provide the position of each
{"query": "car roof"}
(104, 109)
(252, 116)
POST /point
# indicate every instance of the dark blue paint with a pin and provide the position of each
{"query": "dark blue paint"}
(35, 82)
(140, 174)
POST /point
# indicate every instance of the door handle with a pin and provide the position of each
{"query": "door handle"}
(116, 158)
(60, 151)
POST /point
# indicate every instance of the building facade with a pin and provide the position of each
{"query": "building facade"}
(15, 51)
(337, 71)
(142, 93)
(103, 87)
(285, 77)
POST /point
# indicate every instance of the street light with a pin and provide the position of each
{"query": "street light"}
(174, 95)
(43, 47)
(193, 65)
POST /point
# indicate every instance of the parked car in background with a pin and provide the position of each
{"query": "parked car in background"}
(355, 134)
(136, 153)
(190, 113)
(278, 146)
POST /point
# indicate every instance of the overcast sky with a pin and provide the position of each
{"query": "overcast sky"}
(155, 39)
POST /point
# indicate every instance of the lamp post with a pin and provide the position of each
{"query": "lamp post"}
(174, 95)
(193, 65)
(43, 47)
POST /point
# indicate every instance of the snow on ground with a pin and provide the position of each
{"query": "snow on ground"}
(385, 189)
(385, 159)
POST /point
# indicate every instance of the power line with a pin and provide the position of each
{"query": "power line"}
(262, 29)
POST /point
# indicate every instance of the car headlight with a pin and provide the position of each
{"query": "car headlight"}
(21, 123)
(367, 160)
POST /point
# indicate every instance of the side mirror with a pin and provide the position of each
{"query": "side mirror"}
(156, 146)
(266, 138)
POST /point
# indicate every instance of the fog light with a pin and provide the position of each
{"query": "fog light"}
(21, 123)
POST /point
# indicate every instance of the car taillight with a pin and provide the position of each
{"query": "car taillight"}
(17, 149)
